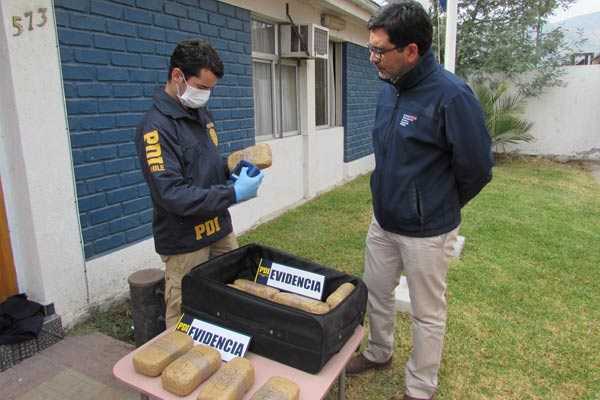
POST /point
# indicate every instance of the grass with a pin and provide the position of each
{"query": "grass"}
(115, 321)
(524, 299)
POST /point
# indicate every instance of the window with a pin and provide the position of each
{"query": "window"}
(321, 92)
(328, 88)
(289, 98)
(263, 37)
(275, 84)
(263, 97)
(335, 84)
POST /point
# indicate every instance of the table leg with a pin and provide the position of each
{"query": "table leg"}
(342, 385)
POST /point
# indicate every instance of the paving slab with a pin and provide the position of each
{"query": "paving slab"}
(78, 367)
(70, 384)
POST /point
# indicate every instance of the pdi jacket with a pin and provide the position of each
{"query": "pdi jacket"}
(432, 151)
(177, 150)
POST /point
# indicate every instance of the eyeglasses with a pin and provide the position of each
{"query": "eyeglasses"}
(379, 52)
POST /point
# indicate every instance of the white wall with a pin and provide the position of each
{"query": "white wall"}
(327, 168)
(303, 12)
(566, 120)
(282, 186)
(36, 167)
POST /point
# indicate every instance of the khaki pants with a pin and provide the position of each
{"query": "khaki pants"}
(176, 266)
(424, 261)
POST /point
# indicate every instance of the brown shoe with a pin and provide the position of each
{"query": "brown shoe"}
(358, 364)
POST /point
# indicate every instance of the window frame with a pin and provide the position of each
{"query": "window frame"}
(327, 77)
(275, 62)
(260, 137)
(289, 63)
(334, 87)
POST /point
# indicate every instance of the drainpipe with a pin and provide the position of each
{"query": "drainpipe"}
(450, 49)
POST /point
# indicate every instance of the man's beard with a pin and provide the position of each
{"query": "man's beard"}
(396, 77)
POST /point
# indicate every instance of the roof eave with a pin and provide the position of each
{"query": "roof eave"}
(368, 5)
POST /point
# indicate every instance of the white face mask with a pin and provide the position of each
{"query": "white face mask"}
(193, 97)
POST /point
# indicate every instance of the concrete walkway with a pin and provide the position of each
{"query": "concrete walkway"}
(76, 368)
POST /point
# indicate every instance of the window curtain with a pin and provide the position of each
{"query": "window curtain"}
(263, 111)
(332, 82)
(321, 85)
(289, 106)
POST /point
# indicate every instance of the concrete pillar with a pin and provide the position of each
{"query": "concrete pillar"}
(307, 123)
(35, 159)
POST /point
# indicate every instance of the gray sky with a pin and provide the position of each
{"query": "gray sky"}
(580, 7)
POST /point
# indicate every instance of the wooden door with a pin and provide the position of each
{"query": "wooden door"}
(8, 277)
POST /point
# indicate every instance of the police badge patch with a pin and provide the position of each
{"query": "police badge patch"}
(212, 132)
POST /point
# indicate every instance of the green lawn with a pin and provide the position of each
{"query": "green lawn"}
(524, 299)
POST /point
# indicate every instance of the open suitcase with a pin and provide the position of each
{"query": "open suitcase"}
(294, 337)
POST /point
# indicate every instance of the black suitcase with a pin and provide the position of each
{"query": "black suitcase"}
(294, 337)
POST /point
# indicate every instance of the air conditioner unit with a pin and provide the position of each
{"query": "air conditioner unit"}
(314, 43)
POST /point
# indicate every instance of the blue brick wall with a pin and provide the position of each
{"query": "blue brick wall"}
(361, 87)
(114, 54)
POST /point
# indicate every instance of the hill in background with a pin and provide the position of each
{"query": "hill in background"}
(588, 25)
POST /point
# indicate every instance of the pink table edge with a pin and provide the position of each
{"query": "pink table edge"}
(311, 386)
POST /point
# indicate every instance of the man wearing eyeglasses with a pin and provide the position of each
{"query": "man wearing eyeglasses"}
(432, 155)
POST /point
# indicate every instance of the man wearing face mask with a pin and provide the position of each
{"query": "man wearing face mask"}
(432, 156)
(188, 179)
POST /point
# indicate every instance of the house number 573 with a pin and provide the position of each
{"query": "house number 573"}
(27, 21)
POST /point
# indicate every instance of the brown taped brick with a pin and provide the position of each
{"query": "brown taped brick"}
(339, 294)
(300, 302)
(259, 155)
(230, 382)
(184, 375)
(154, 358)
(257, 289)
(278, 388)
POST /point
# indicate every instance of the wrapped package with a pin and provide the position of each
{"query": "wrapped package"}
(339, 295)
(230, 382)
(301, 302)
(278, 388)
(257, 289)
(154, 358)
(184, 375)
(259, 155)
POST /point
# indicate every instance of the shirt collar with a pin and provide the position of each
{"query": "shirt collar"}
(427, 65)
(171, 107)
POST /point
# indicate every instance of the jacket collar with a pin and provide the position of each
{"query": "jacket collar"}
(426, 66)
(171, 107)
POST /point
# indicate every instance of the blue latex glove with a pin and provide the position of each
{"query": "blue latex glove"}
(253, 170)
(245, 186)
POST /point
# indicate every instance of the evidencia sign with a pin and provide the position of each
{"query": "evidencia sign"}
(29, 20)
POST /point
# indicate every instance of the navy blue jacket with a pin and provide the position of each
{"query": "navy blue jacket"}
(177, 149)
(432, 151)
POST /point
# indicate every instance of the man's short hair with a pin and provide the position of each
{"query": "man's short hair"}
(191, 56)
(405, 22)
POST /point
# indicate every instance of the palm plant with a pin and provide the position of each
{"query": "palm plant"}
(503, 112)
